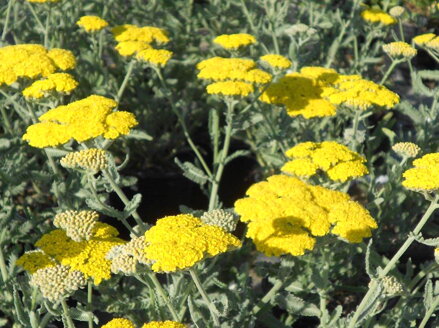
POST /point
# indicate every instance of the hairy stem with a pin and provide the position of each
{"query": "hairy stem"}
(125, 81)
(66, 314)
(8, 16)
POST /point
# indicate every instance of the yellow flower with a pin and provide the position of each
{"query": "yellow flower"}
(32, 261)
(422, 39)
(338, 161)
(56, 82)
(230, 88)
(425, 174)
(119, 323)
(92, 23)
(433, 44)
(406, 149)
(276, 61)
(124, 258)
(81, 120)
(31, 61)
(129, 48)
(163, 324)
(148, 34)
(234, 41)
(88, 159)
(377, 16)
(155, 56)
(42, 1)
(179, 242)
(87, 256)
(284, 215)
(399, 50)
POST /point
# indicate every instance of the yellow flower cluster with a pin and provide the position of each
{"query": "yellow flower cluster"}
(93, 159)
(137, 40)
(284, 215)
(422, 39)
(336, 160)
(80, 120)
(406, 149)
(125, 323)
(276, 61)
(32, 61)
(34, 260)
(233, 75)
(399, 49)
(234, 41)
(92, 23)
(42, 1)
(377, 16)
(124, 258)
(57, 82)
(179, 242)
(57, 281)
(425, 174)
(119, 323)
(316, 91)
(78, 225)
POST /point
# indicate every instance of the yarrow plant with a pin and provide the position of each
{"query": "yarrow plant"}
(184, 164)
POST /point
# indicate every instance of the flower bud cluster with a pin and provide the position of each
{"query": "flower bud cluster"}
(78, 225)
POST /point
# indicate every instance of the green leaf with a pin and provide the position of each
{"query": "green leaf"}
(132, 206)
(296, 305)
(54, 152)
(192, 172)
(428, 294)
(139, 135)
(236, 154)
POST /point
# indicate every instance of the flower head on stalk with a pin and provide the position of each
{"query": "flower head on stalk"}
(126, 258)
(234, 41)
(377, 16)
(179, 242)
(119, 323)
(92, 23)
(56, 83)
(406, 149)
(276, 61)
(399, 50)
(93, 160)
(285, 215)
(424, 177)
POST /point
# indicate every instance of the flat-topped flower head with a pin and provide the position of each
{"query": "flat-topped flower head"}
(157, 57)
(406, 149)
(148, 34)
(31, 261)
(78, 225)
(399, 50)
(43, 1)
(32, 61)
(422, 39)
(336, 160)
(285, 215)
(377, 16)
(276, 61)
(92, 23)
(433, 44)
(87, 256)
(179, 242)
(81, 120)
(220, 218)
(397, 11)
(230, 88)
(425, 174)
(164, 324)
(119, 323)
(234, 41)
(125, 258)
(56, 83)
(129, 48)
(92, 159)
(57, 282)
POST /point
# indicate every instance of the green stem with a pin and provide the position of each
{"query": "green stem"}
(32, 10)
(374, 285)
(3, 269)
(125, 81)
(123, 197)
(8, 126)
(355, 124)
(436, 58)
(67, 316)
(183, 123)
(389, 71)
(213, 310)
(429, 313)
(228, 134)
(248, 16)
(100, 43)
(164, 296)
(401, 30)
(47, 27)
(267, 298)
(8, 16)
(89, 303)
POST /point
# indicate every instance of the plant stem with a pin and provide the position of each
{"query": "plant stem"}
(3, 269)
(389, 71)
(123, 197)
(429, 313)
(213, 310)
(47, 27)
(32, 10)
(8, 16)
(125, 81)
(8, 126)
(164, 296)
(100, 44)
(218, 174)
(374, 285)
(355, 125)
(183, 123)
(89, 303)
(67, 316)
